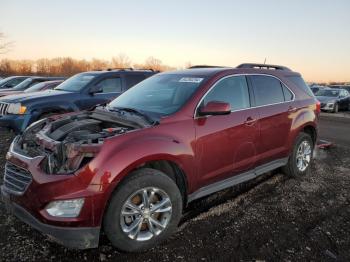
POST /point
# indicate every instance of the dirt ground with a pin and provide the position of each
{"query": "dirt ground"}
(273, 219)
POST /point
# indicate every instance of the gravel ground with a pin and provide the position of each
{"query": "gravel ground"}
(273, 219)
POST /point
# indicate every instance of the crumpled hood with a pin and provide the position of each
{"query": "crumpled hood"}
(326, 99)
(29, 97)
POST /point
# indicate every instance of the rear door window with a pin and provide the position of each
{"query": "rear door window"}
(267, 90)
(111, 85)
(288, 95)
(133, 79)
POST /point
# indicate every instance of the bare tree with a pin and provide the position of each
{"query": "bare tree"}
(67, 66)
(153, 63)
(4, 45)
(121, 61)
(188, 64)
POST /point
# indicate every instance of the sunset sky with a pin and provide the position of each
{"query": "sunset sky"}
(311, 37)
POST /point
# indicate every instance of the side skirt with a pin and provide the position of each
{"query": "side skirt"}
(237, 179)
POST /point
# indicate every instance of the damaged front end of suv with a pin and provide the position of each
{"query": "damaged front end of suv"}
(70, 142)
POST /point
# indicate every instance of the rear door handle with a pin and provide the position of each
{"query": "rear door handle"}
(250, 121)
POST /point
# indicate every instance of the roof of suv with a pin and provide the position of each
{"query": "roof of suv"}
(122, 70)
(241, 69)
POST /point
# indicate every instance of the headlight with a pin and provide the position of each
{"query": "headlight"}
(330, 104)
(65, 208)
(16, 109)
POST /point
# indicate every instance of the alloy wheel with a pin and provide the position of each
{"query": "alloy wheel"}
(146, 213)
(303, 156)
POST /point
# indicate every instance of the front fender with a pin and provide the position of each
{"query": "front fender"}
(114, 163)
(52, 107)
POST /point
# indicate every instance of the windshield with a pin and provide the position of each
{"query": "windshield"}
(36, 87)
(159, 95)
(76, 83)
(23, 85)
(331, 93)
(4, 80)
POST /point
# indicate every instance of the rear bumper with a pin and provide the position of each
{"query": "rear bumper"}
(71, 237)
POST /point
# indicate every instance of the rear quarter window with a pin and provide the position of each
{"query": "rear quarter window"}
(299, 82)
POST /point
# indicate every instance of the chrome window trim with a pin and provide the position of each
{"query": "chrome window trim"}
(251, 107)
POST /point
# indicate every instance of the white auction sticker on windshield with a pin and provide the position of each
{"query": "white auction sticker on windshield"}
(191, 80)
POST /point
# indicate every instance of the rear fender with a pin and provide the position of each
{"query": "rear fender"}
(306, 117)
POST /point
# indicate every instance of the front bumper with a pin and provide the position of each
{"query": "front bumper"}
(327, 106)
(18, 123)
(29, 204)
(71, 237)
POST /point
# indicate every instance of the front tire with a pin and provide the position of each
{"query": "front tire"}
(336, 108)
(144, 211)
(301, 157)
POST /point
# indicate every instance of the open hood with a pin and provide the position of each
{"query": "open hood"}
(68, 143)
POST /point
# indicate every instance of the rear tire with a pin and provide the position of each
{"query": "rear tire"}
(129, 222)
(301, 157)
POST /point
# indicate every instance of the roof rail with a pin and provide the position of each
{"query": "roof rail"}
(205, 66)
(131, 69)
(146, 69)
(264, 66)
(120, 68)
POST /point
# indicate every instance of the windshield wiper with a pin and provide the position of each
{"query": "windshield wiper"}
(135, 111)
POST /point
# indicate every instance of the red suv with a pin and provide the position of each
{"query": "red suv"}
(131, 167)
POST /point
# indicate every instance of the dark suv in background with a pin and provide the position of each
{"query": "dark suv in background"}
(80, 92)
(130, 168)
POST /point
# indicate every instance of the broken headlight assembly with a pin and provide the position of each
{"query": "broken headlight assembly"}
(69, 143)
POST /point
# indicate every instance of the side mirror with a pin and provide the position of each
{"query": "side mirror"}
(215, 108)
(95, 89)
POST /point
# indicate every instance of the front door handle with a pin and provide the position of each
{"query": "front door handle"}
(250, 121)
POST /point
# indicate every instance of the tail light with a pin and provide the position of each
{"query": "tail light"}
(318, 107)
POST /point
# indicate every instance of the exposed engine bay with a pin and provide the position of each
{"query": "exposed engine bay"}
(70, 142)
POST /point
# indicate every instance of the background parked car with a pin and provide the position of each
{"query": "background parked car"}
(80, 92)
(11, 81)
(333, 99)
(316, 88)
(347, 88)
(30, 81)
(47, 85)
